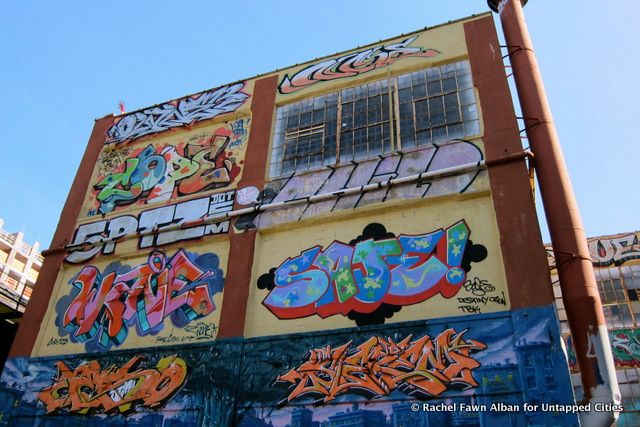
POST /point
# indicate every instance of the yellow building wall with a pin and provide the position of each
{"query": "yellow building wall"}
(485, 279)
(77, 309)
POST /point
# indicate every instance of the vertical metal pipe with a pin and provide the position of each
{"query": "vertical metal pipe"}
(575, 270)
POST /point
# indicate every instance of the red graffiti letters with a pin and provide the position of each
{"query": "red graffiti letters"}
(353, 64)
(420, 368)
(90, 389)
(105, 305)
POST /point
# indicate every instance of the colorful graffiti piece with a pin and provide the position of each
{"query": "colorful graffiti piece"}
(615, 250)
(103, 304)
(92, 389)
(193, 109)
(420, 368)
(157, 174)
(377, 268)
(605, 251)
(103, 235)
(353, 64)
(625, 344)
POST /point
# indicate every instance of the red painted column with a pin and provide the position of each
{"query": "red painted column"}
(575, 270)
(242, 245)
(525, 259)
(54, 256)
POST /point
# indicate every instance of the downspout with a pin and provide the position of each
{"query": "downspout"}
(575, 270)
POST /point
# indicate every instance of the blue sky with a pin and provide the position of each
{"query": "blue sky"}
(66, 63)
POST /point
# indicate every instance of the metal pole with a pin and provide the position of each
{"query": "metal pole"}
(575, 270)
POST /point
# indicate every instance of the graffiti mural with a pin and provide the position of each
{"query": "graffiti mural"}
(430, 159)
(157, 174)
(608, 250)
(90, 388)
(625, 346)
(104, 235)
(353, 64)
(420, 368)
(373, 276)
(186, 111)
(103, 305)
(507, 357)
(615, 250)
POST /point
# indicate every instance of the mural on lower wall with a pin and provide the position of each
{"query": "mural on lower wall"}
(89, 388)
(625, 346)
(373, 276)
(420, 368)
(152, 174)
(475, 363)
(104, 305)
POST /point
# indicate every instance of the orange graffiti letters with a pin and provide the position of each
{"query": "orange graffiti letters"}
(422, 368)
(90, 389)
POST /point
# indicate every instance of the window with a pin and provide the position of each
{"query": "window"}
(403, 112)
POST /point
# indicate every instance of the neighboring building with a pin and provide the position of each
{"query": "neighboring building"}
(319, 245)
(20, 264)
(616, 262)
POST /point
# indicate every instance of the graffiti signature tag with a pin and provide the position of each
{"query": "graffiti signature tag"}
(420, 368)
(353, 64)
(89, 389)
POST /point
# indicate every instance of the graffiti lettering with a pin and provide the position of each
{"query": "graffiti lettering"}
(155, 220)
(202, 330)
(102, 305)
(420, 368)
(353, 64)
(185, 111)
(625, 344)
(369, 272)
(57, 341)
(615, 250)
(608, 250)
(157, 174)
(91, 389)
(431, 159)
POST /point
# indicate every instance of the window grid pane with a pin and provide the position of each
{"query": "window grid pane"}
(426, 107)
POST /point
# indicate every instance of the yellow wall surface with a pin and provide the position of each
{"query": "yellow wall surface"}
(435, 46)
(90, 304)
(484, 287)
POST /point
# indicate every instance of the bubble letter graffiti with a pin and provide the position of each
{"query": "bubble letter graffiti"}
(377, 268)
(90, 389)
(420, 368)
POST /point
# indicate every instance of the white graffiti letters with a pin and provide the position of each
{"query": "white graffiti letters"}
(206, 105)
(103, 235)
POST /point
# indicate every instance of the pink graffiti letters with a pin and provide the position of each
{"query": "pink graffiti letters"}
(103, 305)
(353, 64)
(368, 272)
(420, 368)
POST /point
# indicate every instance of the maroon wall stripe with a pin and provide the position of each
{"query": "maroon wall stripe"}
(54, 256)
(524, 256)
(242, 245)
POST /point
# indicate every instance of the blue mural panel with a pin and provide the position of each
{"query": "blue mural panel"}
(454, 371)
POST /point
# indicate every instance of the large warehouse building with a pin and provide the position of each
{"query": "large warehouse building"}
(327, 244)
